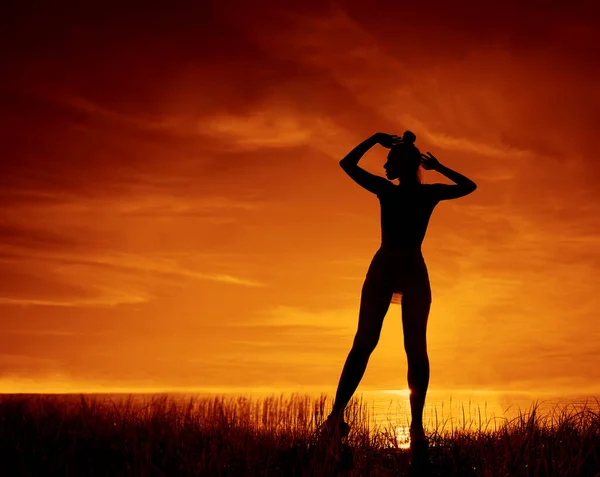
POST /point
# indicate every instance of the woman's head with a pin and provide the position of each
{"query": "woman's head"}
(404, 160)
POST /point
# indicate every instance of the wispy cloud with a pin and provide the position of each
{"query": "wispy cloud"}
(341, 321)
(102, 301)
(232, 280)
(97, 278)
(40, 332)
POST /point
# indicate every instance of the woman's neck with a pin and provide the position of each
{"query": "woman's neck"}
(408, 183)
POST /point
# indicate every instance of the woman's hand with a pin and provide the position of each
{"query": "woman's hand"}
(429, 161)
(387, 140)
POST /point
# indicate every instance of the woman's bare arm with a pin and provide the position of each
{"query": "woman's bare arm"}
(463, 185)
(365, 179)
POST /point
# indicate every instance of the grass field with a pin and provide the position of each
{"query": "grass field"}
(88, 435)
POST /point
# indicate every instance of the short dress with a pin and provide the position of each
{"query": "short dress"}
(399, 272)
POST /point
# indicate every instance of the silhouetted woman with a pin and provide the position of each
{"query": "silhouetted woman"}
(398, 268)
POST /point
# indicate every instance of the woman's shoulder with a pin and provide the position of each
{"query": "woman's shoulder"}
(428, 188)
(399, 191)
(419, 188)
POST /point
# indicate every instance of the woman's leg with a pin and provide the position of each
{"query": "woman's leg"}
(375, 301)
(416, 302)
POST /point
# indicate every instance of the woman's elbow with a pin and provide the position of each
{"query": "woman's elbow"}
(471, 186)
(345, 164)
(467, 189)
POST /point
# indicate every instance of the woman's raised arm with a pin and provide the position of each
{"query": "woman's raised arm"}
(464, 185)
(365, 179)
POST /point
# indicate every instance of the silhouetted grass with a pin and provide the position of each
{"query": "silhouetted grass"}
(56, 435)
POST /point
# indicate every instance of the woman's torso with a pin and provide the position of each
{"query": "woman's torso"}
(405, 214)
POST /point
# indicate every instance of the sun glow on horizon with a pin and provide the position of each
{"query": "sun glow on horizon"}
(63, 386)
(397, 392)
(403, 437)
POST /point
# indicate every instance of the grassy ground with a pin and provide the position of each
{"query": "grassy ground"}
(219, 436)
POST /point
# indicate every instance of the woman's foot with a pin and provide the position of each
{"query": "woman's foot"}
(419, 450)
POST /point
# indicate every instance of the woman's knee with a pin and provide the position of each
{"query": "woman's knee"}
(365, 343)
(416, 350)
(373, 309)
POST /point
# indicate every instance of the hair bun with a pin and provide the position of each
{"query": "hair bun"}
(409, 137)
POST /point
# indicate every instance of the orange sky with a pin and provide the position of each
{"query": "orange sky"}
(172, 211)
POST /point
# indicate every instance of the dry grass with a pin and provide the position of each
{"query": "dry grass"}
(219, 436)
